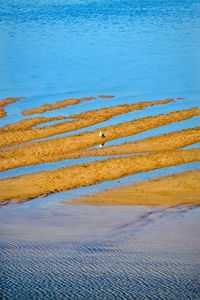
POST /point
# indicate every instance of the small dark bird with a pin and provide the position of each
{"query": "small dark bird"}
(101, 134)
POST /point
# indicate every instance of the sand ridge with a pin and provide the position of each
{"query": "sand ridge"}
(58, 149)
(177, 189)
(26, 187)
(61, 104)
(81, 120)
(163, 142)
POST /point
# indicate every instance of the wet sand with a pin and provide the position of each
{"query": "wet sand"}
(57, 149)
(81, 120)
(42, 183)
(5, 102)
(178, 189)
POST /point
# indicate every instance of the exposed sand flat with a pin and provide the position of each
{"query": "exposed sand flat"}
(5, 102)
(171, 190)
(57, 149)
(29, 186)
(47, 107)
(28, 123)
(163, 142)
(82, 120)
(55, 105)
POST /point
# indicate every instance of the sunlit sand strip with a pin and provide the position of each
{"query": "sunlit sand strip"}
(115, 120)
(164, 142)
(170, 190)
(76, 193)
(5, 102)
(165, 129)
(28, 123)
(60, 104)
(30, 186)
(57, 149)
(54, 165)
(48, 107)
(82, 120)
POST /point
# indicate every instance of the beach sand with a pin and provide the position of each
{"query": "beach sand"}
(178, 189)
(163, 142)
(42, 183)
(57, 149)
(81, 120)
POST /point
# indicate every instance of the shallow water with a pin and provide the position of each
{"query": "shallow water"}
(100, 253)
(136, 50)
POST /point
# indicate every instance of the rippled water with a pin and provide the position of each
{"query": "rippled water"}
(136, 50)
(133, 49)
(100, 253)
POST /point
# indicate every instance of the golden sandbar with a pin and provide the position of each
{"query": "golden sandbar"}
(42, 183)
(178, 189)
(163, 142)
(58, 149)
(81, 120)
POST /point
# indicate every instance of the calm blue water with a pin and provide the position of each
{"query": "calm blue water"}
(140, 49)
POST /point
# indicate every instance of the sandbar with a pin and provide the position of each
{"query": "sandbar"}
(163, 142)
(82, 120)
(177, 189)
(29, 186)
(58, 149)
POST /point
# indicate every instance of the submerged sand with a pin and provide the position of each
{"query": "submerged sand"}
(179, 189)
(42, 183)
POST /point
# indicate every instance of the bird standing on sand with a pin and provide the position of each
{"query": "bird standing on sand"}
(101, 134)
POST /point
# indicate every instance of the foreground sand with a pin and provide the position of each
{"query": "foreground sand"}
(171, 190)
(42, 183)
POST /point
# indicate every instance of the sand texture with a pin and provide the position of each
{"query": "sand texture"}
(19, 148)
(47, 107)
(57, 149)
(5, 102)
(178, 189)
(42, 183)
(81, 120)
(163, 142)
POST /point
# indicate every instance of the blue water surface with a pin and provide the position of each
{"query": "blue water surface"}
(140, 49)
